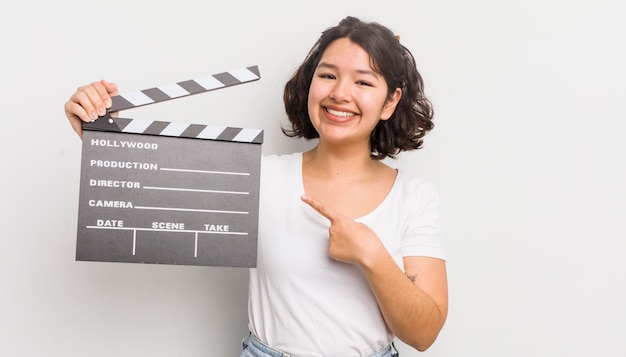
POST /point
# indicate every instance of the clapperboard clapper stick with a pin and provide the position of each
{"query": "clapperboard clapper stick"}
(163, 192)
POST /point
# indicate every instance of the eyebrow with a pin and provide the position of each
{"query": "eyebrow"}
(360, 71)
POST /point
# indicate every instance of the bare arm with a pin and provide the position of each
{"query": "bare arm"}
(415, 304)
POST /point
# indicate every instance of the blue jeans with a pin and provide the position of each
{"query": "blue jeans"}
(252, 347)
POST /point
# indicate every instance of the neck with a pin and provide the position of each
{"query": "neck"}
(346, 162)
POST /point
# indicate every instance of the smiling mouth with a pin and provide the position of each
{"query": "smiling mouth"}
(340, 113)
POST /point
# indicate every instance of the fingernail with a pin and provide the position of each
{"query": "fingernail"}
(93, 115)
(101, 111)
(107, 103)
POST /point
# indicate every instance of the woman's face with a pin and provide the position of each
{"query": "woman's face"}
(347, 97)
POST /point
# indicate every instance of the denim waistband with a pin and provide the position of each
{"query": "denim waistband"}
(253, 347)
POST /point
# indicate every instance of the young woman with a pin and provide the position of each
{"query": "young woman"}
(350, 254)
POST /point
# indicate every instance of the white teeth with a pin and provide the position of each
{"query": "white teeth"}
(340, 114)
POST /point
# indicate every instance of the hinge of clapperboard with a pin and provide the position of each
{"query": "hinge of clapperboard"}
(173, 91)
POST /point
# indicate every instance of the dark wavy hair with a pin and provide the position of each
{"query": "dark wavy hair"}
(413, 116)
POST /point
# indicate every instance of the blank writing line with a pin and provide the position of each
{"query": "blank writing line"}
(207, 172)
(189, 210)
(194, 190)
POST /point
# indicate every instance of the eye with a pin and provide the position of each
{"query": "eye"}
(364, 83)
(326, 76)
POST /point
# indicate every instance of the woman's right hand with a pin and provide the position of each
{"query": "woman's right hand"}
(88, 103)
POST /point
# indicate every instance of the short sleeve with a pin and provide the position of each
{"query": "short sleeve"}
(423, 236)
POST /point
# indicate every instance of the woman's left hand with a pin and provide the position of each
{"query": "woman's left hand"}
(349, 241)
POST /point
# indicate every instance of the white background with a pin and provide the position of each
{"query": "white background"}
(528, 154)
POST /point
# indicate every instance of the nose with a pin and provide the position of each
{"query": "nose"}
(341, 92)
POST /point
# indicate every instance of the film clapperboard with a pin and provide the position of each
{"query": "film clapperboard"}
(170, 193)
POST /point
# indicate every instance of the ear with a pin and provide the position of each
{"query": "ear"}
(391, 104)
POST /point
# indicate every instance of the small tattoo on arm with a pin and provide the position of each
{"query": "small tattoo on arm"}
(412, 278)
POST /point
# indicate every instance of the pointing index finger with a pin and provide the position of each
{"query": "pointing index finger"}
(318, 206)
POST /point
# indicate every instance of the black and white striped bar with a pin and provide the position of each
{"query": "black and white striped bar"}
(182, 130)
(177, 90)
(185, 88)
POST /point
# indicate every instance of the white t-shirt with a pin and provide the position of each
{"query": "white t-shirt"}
(303, 302)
